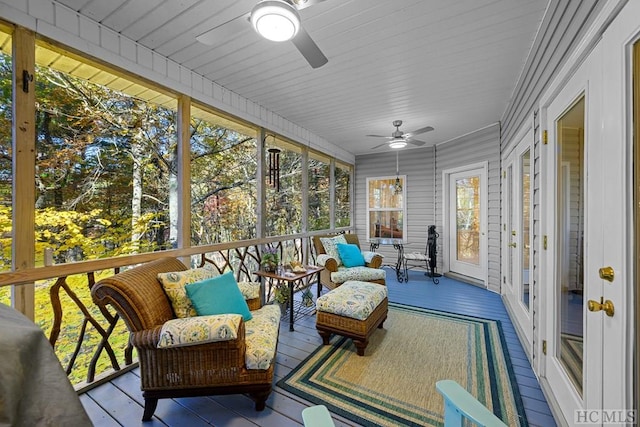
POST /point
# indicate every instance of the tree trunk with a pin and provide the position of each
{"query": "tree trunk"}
(136, 198)
(173, 208)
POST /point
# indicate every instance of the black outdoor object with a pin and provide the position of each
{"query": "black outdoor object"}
(432, 251)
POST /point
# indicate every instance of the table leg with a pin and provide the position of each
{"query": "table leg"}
(291, 306)
(263, 298)
(401, 273)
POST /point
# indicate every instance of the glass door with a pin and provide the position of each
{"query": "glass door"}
(516, 255)
(467, 243)
(572, 190)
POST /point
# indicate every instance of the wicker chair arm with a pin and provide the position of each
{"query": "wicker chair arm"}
(254, 304)
(331, 265)
(376, 261)
(147, 338)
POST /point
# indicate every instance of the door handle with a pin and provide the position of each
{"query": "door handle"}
(606, 273)
(512, 245)
(607, 306)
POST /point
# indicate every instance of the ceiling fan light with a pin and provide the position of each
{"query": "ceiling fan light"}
(275, 20)
(398, 143)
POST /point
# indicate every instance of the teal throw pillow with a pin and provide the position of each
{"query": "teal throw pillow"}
(218, 295)
(350, 255)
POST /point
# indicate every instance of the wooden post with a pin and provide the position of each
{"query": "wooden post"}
(24, 166)
(261, 214)
(305, 205)
(184, 174)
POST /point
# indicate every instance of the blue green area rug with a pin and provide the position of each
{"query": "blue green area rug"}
(394, 383)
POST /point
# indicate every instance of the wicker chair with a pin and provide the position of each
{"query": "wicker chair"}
(194, 370)
(331, 265)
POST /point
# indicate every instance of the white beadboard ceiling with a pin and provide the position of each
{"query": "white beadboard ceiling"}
(448, 64)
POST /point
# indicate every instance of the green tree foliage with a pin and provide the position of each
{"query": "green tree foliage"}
(223, 184)
(284, 207)
(318, 200)
(90, 140)
(5, 167)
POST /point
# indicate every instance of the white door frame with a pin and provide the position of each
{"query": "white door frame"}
(512, 292)
(483, 168)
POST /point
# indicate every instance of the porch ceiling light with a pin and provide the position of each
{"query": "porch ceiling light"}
(398, 143)
(275, 20)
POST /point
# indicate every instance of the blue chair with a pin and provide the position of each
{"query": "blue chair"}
(459, 404)
(317, 416)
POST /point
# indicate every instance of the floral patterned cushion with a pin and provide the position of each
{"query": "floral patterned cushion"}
(249, 290)
(199, 329)
(353, 299)
(329, 245)
(174, 283)
(261, 337)
(363, 274)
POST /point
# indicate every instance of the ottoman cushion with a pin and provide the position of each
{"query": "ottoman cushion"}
(353, 299)
(361, 273)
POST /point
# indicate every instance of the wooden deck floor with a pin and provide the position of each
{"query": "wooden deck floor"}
(119, 402)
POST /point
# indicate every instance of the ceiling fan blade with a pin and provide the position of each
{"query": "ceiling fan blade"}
(225, 32)
(303, 4)
(309, 49)
(381, 136)
(380, 145)
(416, 142)
(419, 131)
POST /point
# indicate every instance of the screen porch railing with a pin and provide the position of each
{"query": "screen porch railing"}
(91, 341)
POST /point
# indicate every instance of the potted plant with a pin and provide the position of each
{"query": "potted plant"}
(281, 296)
(270, 259)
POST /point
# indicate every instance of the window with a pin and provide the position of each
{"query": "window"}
(386, 207)
(284, 200)
(342, 207)
(318, 199)
(106, 152)
(6, 167)
(223, 179)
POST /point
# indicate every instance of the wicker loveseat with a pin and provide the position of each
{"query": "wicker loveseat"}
(334, 274)
(191, 370)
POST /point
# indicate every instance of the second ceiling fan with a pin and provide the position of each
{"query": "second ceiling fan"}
(276, 20)
(399, 139)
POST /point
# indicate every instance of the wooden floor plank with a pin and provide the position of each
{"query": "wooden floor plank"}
(99, 417)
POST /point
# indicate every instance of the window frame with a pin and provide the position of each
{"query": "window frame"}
(401, 209)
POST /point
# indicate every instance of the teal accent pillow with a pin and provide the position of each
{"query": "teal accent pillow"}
(218, 295)
(350, 255)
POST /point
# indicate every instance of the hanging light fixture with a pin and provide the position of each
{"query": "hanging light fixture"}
(275, 20)
(274, 168)
(398, 143)
(397, 187)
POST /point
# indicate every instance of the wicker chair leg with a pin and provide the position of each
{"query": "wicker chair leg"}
(325, 337)
(360, 346)
(260, 398)
(150, 405)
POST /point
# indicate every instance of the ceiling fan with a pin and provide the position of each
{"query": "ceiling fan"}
(399, 139)
(276, 20)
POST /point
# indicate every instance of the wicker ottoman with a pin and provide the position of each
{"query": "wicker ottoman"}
(354, 310)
